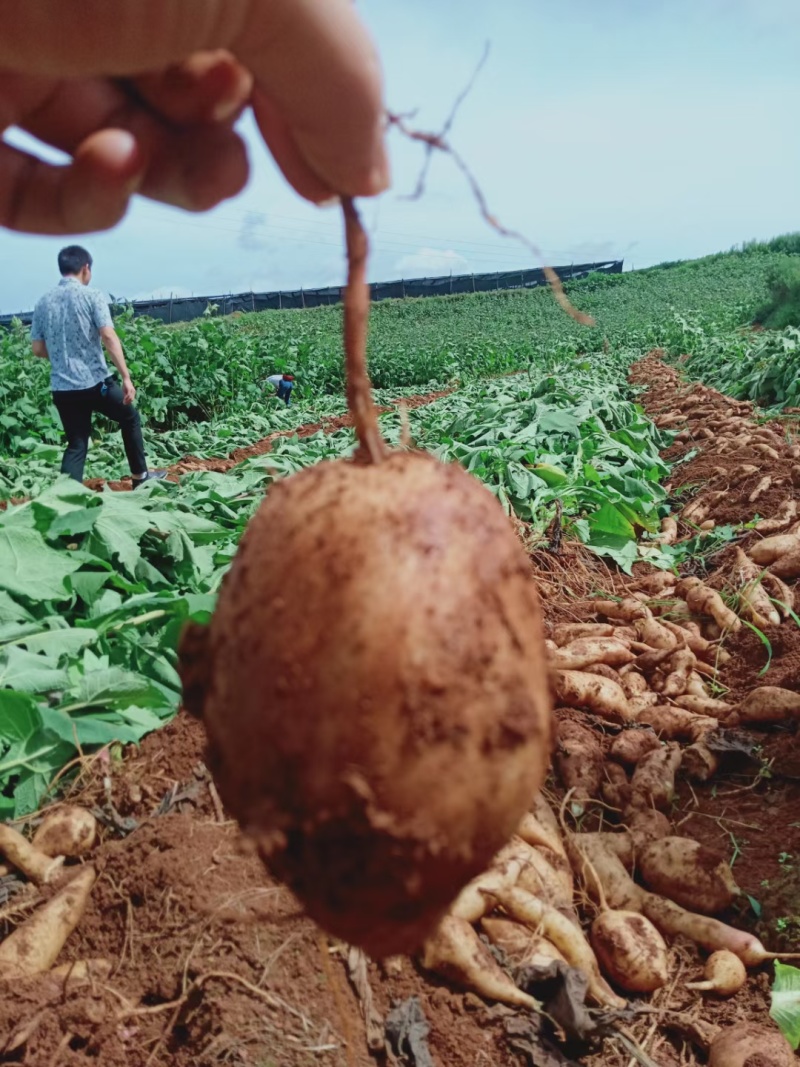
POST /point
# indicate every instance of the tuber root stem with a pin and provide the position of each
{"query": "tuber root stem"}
(372, 447)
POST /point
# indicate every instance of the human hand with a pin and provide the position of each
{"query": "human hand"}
(143, 94)
(128, 391)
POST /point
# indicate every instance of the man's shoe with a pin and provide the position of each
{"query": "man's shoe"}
(148, 477)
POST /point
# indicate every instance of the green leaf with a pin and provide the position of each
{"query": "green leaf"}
(610, 520)
(755, 905)
(28, 672)
(54, 640)
(30, 568)
(91, 729)
(87, 584)
(11, 611)
(30, 754)
(785, 1005)
(66, 507)
(552, 476)
(113, 687)
(560, 421)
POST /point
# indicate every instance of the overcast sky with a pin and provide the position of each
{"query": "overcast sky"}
(643, 129)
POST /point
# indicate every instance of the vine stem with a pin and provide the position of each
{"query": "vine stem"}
(372, 447)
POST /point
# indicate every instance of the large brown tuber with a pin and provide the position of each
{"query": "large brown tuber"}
(372, 682)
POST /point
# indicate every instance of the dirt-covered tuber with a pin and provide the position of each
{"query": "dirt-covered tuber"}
(378, 721)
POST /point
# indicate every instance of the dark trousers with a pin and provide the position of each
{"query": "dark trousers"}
(285, 392)
(76, 408)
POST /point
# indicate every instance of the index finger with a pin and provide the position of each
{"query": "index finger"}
(313, 59)
(317, 65)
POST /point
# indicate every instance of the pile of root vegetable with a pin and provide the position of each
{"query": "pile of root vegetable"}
(55, 893)
(635, 687)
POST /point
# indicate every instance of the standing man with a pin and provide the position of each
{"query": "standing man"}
(283, 383)
(71, 325)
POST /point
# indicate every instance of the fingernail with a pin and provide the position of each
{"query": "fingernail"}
(225, 110)
(121, 147)
(379, 177)
(332, 201)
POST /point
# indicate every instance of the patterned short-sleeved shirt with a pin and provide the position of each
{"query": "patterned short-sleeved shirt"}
(68, 320)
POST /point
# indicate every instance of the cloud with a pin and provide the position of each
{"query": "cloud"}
(432, 261)
(252, 233)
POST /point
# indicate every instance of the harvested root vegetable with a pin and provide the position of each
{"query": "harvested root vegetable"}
(633, 683)
(69, 831)
(780, 593)
(742, 473)
(455, 952)
(788, 565)
(604, 671)
(579, 689)
(693, 640)
(410, 653)
(625, 633)
(768, 451)
(696, 511)
(632, 744)
(705, 601)
(676, 724)
(544, 873)
(717, 709)
(36, 865)
(596, 862)
(708, 933)
(620, 844)
(585, 651)
(35, 945)
(695, 686)
(782, 518)
(521, 947)
(696, 877)
(475, 899)
(647, 824)
(658, 583)
(627, 610)
(616, 787)
(640, 704)
(630, 951)
(669, 418)
(565, 935)
(578, 761)
(651, 660)
(699, 763)
(653, 782)
(539, 826)
(79, 971)
(724, 974)
(567, 632)
(754, 596)
(669, 532)
(655, 634)
(749, 1045)
(771, 549)
(681, 665)
(768, 704)
(760, 489)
